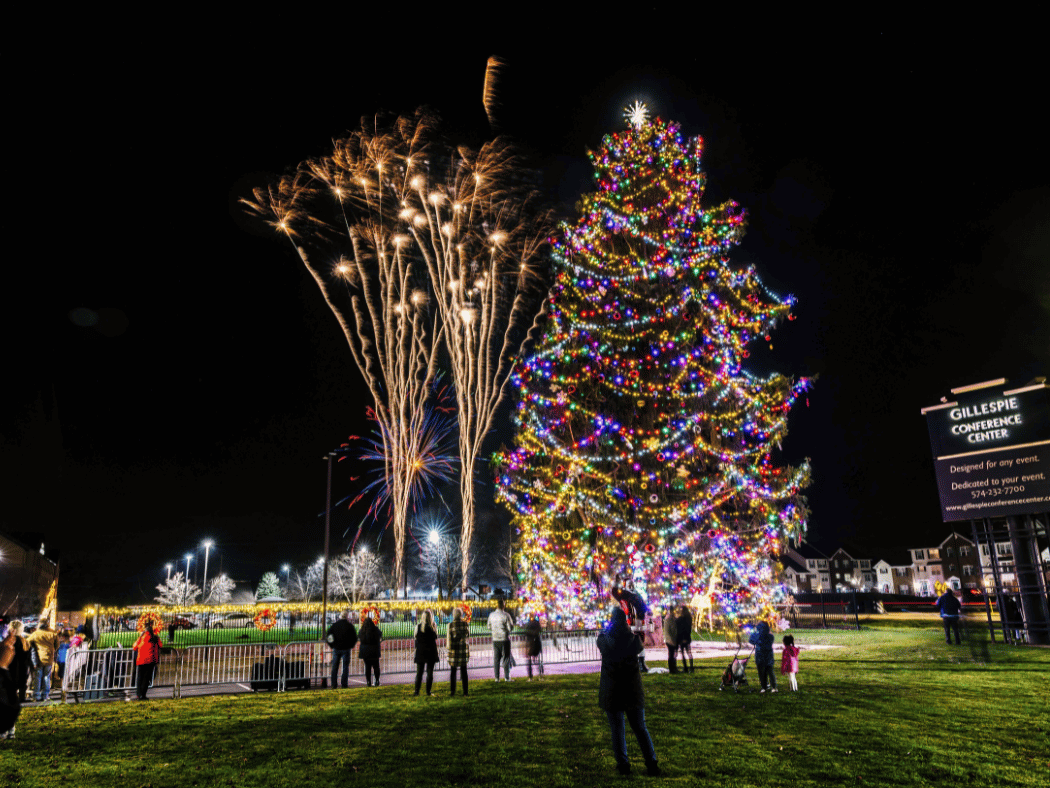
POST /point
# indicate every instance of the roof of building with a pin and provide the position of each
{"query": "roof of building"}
(956, 534)
(894, 556)
(790, 563)
(806, 550)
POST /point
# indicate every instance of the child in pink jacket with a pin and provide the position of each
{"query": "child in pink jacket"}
(789, 661)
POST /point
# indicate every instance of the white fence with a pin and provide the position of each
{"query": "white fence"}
(91, 675)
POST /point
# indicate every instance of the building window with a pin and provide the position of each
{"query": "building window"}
(964, 550)
(919, 555)
(951, 552)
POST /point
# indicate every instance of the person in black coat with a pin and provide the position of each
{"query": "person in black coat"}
(684, 631)
(950, 608)
(10, 703)
(369, 637)
(426, 651)
(21, 665)
(620, 691)
(534, 645)
(342, 637)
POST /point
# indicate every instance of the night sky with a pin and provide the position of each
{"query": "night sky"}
(897, 186)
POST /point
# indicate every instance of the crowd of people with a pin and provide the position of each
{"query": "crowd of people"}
(343, 636)
(28, 662)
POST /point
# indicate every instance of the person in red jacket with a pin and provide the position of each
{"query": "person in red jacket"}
(147, 655)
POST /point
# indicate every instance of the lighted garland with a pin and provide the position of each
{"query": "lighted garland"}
(643, 447)
(372, 613)
(299, 608)
(149, 618)
(265, 620)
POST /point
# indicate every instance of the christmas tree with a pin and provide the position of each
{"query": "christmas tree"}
(643, 446)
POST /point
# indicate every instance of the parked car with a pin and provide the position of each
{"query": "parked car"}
(182, 623)
(234, 621)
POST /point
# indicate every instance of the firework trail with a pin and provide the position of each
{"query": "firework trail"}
(489, 96)
(422, 245)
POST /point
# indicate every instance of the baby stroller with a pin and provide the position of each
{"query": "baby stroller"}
(733, 676)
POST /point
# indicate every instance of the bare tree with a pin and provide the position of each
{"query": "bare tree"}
(220, 590)
(305, 584)
(176, 591)
(441, 562)
(495, 557)
(355, 576)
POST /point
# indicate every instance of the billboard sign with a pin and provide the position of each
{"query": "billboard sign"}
(991, 450)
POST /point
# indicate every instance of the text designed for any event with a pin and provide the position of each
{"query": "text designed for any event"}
(1011, 481)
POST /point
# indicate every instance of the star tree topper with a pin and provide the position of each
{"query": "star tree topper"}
(637, 114)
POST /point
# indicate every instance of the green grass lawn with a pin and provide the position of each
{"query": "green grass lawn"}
(890, 706)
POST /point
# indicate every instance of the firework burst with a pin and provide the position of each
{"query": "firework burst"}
(415, 244)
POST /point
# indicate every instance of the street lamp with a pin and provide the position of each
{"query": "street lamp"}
(207, 545)
(168, 567)
(189, 558)
(435, 540)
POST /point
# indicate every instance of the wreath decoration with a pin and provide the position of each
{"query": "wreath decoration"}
(372, 613)
(265, 620)
(152, 618)
(468, 613)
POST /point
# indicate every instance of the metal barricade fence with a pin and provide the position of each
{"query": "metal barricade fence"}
(94, 674)
(221, 664)
(397, 656)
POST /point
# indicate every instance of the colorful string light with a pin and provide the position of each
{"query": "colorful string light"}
(643, 448)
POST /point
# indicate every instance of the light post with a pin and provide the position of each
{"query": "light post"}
(435, 539)
(357, 557)
(186, 596)
(327, 525)
(207, 544)
(168, 567)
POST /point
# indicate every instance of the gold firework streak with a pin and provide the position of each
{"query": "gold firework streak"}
(489, 97)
